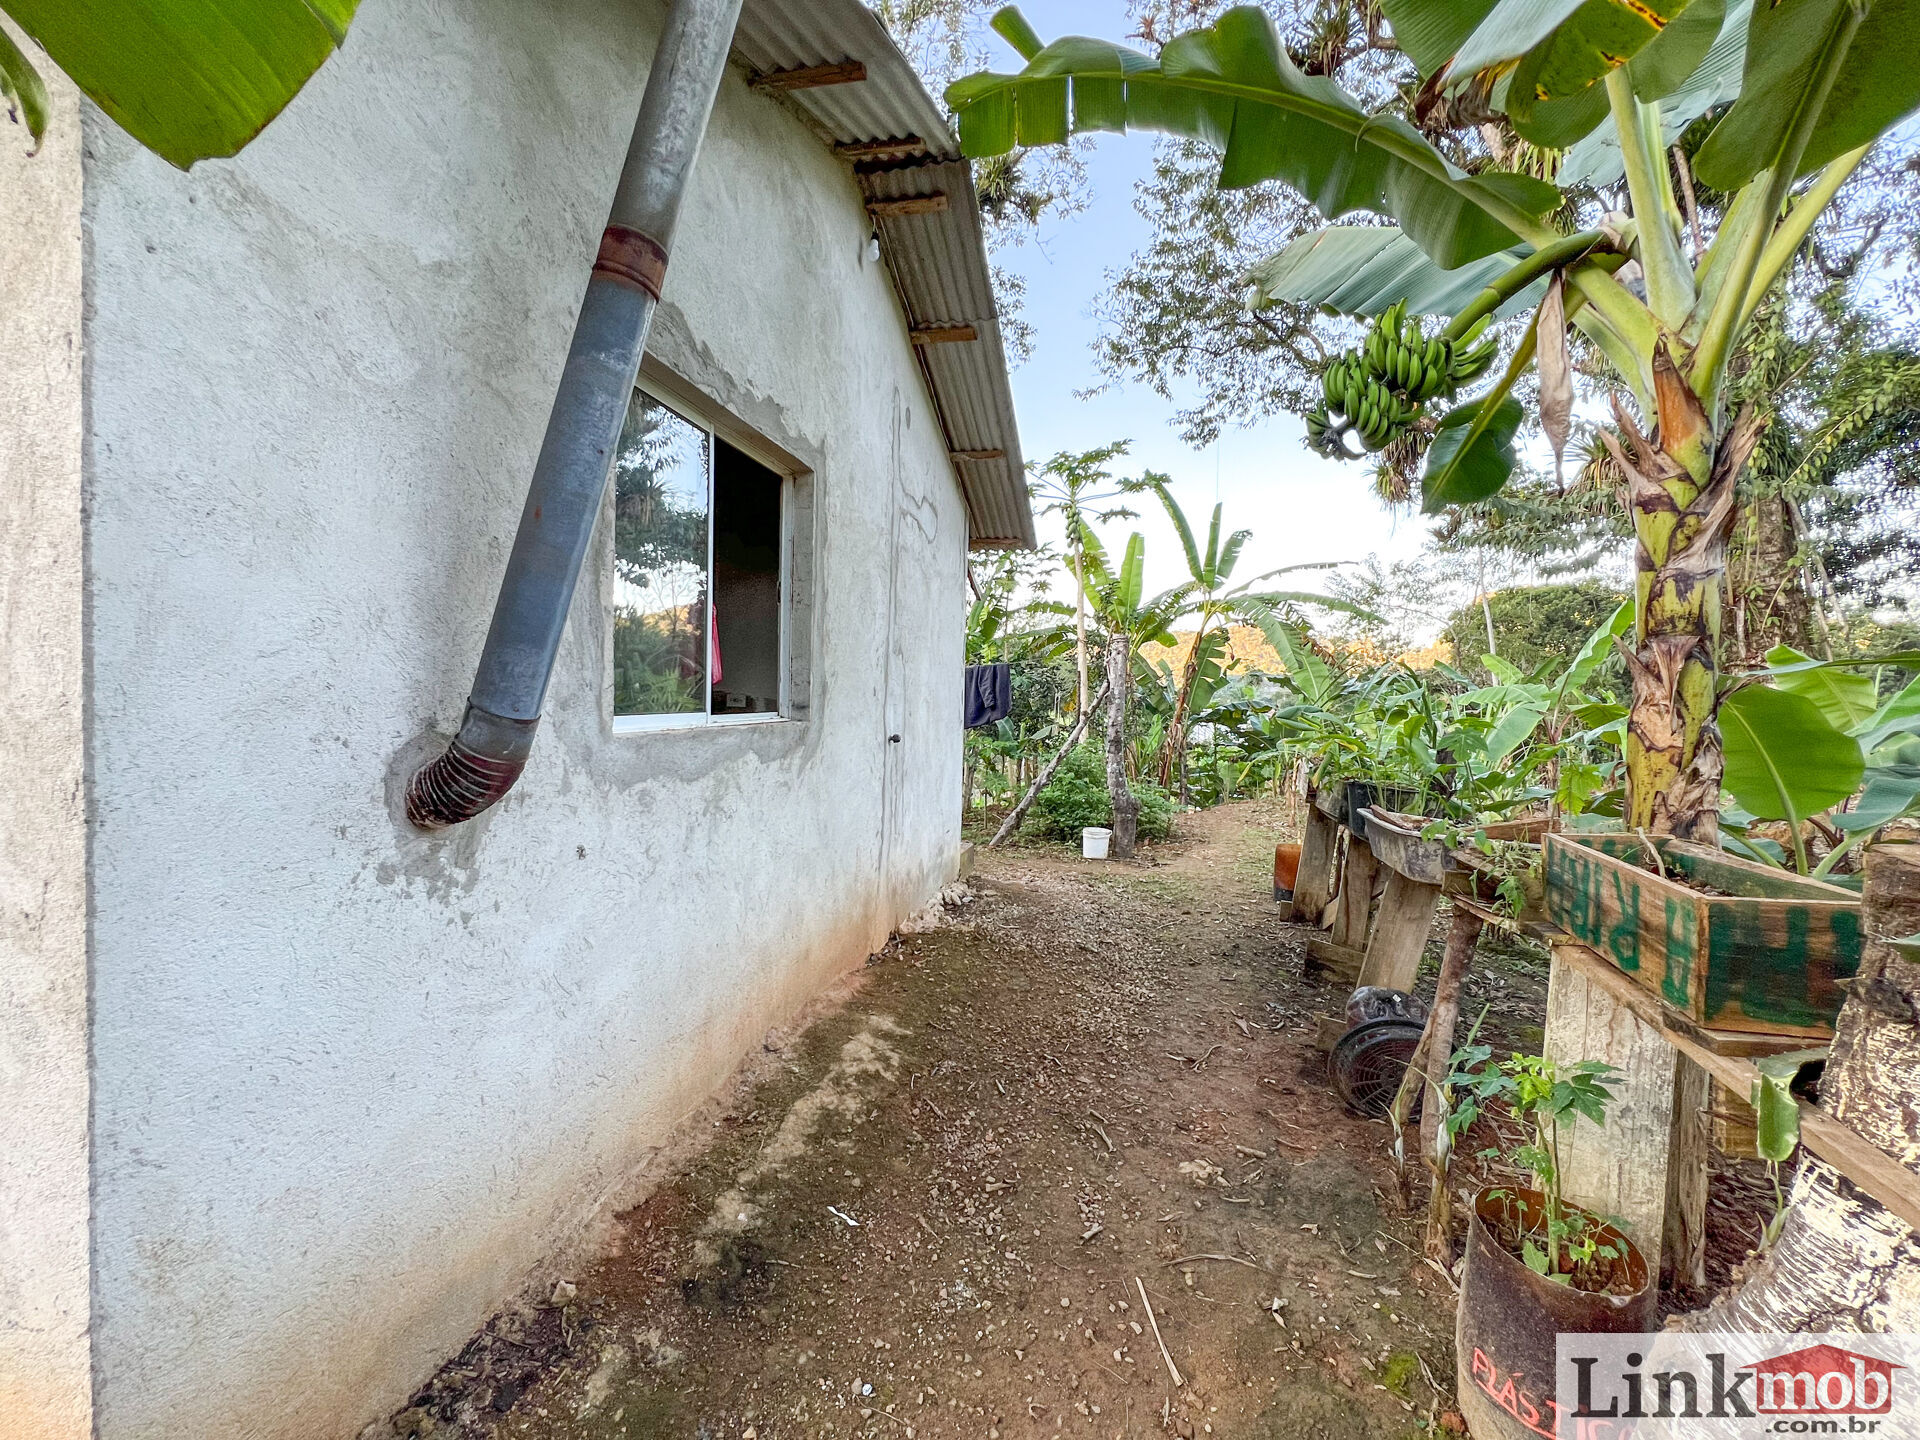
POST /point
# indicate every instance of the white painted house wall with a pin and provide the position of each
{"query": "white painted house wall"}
(350, 1082)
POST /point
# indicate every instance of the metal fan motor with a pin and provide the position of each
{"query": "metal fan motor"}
(1379, 1002)
(1370, 1060)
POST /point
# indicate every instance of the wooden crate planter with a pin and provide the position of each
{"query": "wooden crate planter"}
(1395, 839)
(1331, 800)
(1765, 957)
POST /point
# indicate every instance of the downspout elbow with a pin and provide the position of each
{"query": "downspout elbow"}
(475, 772)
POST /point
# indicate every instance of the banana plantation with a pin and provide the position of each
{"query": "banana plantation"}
(1412, 931)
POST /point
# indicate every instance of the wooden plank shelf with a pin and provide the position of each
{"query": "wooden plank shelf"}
(1866, 1165)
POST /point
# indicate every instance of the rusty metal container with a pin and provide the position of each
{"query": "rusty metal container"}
(1286, 869)
(1510, 1318)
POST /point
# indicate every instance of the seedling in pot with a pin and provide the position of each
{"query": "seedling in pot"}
(1568, 1246)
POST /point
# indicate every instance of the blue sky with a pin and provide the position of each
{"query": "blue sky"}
(1299, 507)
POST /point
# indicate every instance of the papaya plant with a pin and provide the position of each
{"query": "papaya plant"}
(1811, 85)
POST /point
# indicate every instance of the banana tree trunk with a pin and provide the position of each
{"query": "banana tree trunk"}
(1773, 604)
(1173, 750)
(1680, 491)
(1126, 808)
(1843, 1261)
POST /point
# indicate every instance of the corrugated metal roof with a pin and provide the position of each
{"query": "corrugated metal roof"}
(938, 260)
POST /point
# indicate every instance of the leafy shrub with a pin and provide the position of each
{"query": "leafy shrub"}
(1077, 797)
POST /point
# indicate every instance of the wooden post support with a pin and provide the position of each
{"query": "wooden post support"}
(1463, 938)
(1313, 883)
(1865, 1164)
(1400, 933)
(1356, 894)
(1647, 1166)
(1689, 1170)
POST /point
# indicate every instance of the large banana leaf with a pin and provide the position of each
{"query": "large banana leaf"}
(1558, 48)
(1556, 117)
(1233, 86)
(1431, 32)
(1892, 793)
(1788, 43)
(1311, 676)
(1364, 269)
(1512, 729)
(1670, 60)
(1785, 761)
(1593, 654)
(1464, 466)
(1133, 569)
(1899, 716)
(188, 79)
(1847, 698)
(1596, 160)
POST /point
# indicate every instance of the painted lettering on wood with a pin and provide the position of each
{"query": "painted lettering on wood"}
(1753, 950)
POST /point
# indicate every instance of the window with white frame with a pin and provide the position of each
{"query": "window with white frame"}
(698, 592)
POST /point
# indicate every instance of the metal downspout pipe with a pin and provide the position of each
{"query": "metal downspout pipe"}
(570, 477)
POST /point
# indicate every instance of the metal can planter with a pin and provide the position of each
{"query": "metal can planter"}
(1286, 869)
(1510, 1318)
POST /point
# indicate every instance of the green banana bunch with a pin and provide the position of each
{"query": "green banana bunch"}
(1377, 390)
(1402, 357)
(1468, 358)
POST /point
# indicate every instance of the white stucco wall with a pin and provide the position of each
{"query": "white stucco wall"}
(44, 1360)
(351, 1082)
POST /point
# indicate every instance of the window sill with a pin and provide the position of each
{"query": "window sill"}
(682, 724)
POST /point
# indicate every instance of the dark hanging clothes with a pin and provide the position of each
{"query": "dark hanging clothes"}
(989, 694)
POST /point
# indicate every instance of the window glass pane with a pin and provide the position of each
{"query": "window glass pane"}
(661, 632)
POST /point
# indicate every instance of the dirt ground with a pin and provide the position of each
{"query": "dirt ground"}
(1083, 1105)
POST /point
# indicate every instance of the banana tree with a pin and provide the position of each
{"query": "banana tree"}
(1130, 620)
(1812, 82)
(1215, 605)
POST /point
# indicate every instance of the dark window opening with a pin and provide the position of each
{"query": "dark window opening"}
(697, 600)
(746, 583)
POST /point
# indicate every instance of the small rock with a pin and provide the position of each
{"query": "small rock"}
(1453, 1422)
(564, 1292)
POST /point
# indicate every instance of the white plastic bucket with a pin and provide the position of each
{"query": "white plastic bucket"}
(1093, 842)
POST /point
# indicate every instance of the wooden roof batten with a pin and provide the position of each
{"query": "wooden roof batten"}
(834, 65)
(808, 77)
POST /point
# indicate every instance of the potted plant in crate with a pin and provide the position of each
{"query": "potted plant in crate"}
(1537, 1267)
(1755, 936)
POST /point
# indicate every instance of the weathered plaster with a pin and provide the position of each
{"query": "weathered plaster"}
(351, 1082)
(44, 1374)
